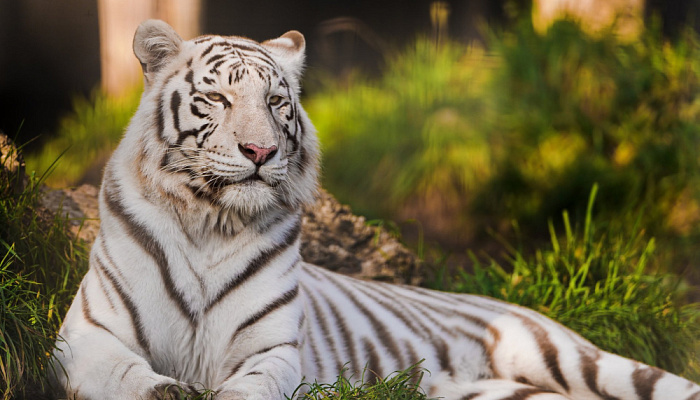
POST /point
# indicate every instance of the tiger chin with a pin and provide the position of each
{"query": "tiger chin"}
(196, 282)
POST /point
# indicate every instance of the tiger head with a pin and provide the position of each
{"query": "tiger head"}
(225, 121)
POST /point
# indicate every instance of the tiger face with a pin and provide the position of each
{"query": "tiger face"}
(227, 117)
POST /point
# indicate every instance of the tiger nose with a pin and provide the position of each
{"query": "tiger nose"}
(257, 155)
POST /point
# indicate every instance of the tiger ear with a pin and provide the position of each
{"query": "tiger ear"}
(289, 50)
(155, 43)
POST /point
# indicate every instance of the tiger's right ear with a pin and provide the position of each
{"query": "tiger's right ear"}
(155, 43)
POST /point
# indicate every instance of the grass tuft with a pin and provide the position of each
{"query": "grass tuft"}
(400, 385)
(26, 336)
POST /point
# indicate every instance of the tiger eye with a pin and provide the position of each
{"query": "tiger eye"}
(275, 100)
(217, 97)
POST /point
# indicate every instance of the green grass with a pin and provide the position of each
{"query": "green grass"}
(26, 335)
(40, 269)
(596, 282)
(401, 385)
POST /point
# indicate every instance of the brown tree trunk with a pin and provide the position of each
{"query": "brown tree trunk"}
(118, 21)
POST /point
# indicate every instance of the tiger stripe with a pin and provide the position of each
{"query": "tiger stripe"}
(257, 264)
(108, 294)
(238, 366)
(283, 300)
(381, 330)
(409, 321)
(127, 370)
(88, 316)
(321, 320)
(131, 308)
(522, 394)
(346, 337)
(645, 379)
(590, 372)
(373, 366)
(549, 352)
(430, 310)
(151, 247)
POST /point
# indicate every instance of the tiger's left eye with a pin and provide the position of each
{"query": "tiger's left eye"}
(217, 97)
(275, 100)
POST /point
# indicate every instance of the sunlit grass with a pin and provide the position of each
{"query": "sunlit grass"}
(575, 110)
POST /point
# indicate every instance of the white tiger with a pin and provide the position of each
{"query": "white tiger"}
(196, 281)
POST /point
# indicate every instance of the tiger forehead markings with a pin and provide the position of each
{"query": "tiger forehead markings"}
(196, 281)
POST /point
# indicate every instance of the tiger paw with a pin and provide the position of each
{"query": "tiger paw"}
(174, 391)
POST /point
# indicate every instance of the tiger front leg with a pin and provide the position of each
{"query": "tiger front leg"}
(98, 366)
(269, 374)
(91, 362)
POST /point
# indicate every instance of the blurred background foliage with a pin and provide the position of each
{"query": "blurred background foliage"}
(492, 153)
(464, 139)
(85, 138)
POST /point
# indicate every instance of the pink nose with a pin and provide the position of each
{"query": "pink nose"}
(256, 154)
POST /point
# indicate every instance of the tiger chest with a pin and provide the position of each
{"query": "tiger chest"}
(205, 297)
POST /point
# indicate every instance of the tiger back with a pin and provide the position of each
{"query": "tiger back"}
(196, 282)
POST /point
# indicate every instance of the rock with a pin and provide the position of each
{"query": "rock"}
(332, 236)
(11, 165)
(80, 208)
